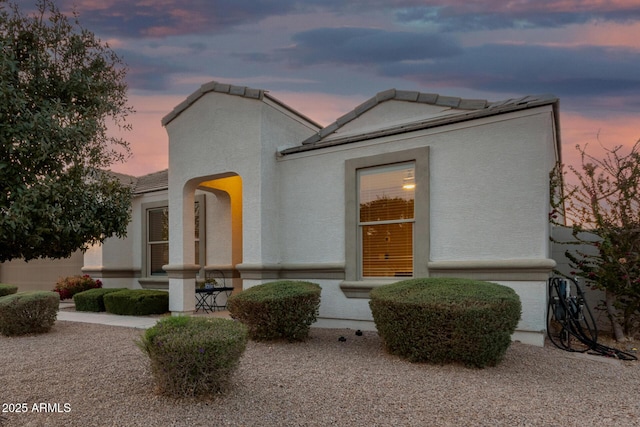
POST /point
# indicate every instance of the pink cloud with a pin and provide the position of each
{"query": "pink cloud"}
(607, 131)
(148, 138)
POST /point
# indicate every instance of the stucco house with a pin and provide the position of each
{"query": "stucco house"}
(407, 184)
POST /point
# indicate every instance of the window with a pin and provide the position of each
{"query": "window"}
(386, 198)
(386, 219)
(157, 238)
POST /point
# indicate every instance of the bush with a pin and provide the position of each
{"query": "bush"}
(93, 299)
(443, 320)
(67, 287)
(284, 309)
(7, 289)
(137, 302)
(192, 356)
(30, 312)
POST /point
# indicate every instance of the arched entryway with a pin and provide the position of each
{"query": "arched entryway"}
(204, 239)
(223, 227)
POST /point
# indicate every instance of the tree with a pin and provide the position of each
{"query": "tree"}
(603, 208)
(60, 88)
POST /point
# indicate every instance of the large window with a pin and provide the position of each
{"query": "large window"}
(386, 219)
(386, 198)
(157, 247)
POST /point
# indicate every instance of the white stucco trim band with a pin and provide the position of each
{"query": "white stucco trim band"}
(361, 288)
(488, 270)
(229, 271)
(102, 272)
(291, 271)
(181, 271)
(158, 283)
(509, 269)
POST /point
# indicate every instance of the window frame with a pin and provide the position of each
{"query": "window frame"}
(150, 244)
(200, 240)
(420, 158)
(362, 225)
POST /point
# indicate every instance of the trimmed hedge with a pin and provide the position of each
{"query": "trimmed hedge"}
(30, 312)
(443, 320)
(193, 356)
(137, 302)
(7, 289)
(93, 299)
(275, 310)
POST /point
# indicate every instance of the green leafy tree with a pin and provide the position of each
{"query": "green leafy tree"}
(60, 88)
(603, 208)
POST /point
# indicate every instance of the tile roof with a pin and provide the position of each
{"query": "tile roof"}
(124, 179)
(243, 91)
(152, 182)
(462, 110)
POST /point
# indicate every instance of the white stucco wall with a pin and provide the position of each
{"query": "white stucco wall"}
(488, 190)
(118, 262)
(488, 201)
(220, 135)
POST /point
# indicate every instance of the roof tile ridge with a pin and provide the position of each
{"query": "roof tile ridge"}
(352, 114)
(166, 170)
(245, 91)
(400, 95)
(213, 86)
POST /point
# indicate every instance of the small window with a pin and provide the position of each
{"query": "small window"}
(386, 196)
(158, 238)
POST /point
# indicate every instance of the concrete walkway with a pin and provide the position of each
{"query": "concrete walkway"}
(140, 322)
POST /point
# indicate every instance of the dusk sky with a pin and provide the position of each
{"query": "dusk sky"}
(324, 57)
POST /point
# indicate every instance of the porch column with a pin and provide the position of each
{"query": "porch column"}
(182, 287)
(181, 269)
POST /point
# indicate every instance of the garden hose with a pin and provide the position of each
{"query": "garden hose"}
(570, 324)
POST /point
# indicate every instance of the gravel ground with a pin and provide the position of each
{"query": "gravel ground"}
(94, 375)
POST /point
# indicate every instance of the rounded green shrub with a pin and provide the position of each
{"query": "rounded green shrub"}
(30, 312)
(93, 299)
(136, 302)
(443, 320)
(7, 289)
(276, 310)
(193, 356)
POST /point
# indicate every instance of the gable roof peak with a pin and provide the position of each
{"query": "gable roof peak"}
(213, 86)
(462, 109)
(399, 95)
(234, 90)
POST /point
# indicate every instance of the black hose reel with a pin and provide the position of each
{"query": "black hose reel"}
(570, 323)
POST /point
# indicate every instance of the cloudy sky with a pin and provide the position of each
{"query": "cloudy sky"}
(324, 57)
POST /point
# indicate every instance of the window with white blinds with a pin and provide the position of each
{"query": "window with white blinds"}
(158, 238)
(386, 196)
